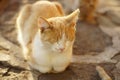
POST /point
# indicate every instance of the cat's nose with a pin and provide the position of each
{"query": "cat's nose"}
(62, 49)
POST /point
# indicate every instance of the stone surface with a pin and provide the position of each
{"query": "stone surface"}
(116, 74)
(78, 72)
(94, 46)
(90, 39)
(4, 57)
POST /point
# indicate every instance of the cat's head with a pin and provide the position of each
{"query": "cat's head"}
(58, 32)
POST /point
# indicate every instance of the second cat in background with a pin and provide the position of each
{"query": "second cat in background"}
(88, 10)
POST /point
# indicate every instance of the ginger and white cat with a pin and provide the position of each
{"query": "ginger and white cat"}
(46, 35)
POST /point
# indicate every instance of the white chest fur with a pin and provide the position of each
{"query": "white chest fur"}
(47, 60)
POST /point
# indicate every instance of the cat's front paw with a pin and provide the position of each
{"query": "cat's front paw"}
(59, 69)
(44, 69)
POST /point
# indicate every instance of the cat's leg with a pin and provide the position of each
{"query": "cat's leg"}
(44, 69)
(25, 53)
(21, 20)
(61, 62)
(40, 68)
(58, 69)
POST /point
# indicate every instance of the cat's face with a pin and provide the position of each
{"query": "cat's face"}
(59, 32)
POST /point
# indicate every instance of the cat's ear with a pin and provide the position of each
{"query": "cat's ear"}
(73, 17)
(43, 24)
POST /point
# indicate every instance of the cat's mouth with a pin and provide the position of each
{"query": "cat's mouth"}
(60, 50)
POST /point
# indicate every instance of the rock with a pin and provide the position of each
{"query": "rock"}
(23, 75)
(91, 41)
(87, 40)
(4, 57)
(117, 57)
(118, 65)
(116, 74)
(15, 53)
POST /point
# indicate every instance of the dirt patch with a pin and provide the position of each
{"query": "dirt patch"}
(79, 72)
(90, 39)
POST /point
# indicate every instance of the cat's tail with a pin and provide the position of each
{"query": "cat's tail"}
(103, 75)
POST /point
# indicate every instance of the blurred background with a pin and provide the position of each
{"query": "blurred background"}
(97, 40)
(92, 13)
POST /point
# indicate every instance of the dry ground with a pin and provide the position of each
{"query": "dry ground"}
(94, 45)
